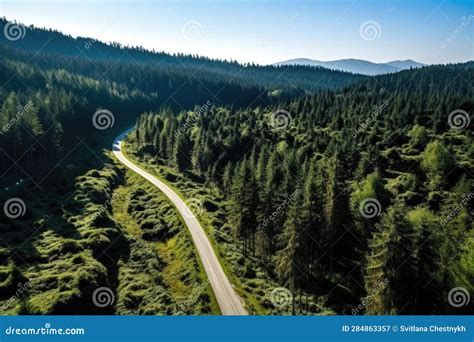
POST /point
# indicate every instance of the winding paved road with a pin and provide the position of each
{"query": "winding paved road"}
(228, 300)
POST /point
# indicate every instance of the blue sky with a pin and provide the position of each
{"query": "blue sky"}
(268, 31)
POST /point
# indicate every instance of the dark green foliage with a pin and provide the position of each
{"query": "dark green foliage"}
(53, 84)
(288, 197)
(368, 141)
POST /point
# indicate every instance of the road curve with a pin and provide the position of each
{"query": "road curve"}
(228, 300)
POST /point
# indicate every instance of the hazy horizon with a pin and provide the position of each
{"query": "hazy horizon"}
(267, 32)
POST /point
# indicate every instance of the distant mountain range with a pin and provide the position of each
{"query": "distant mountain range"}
(357, 66)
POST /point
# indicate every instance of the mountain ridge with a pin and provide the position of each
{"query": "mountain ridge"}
(357, 66)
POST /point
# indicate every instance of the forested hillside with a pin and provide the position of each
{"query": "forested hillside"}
(44, 111)
(52, 84)
(86, 223)
(160, 72)
(360, 193)
(336, 186)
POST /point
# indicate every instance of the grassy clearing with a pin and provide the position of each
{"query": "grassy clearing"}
(112, 229)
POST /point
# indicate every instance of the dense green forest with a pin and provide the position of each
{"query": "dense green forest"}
(52, 84)
(343, 194)
(336, 186)
(51, 157)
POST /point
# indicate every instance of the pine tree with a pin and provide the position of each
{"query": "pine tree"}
(336, 212)
(244, 202)
(292, 260)
(391, 264)
(182, 153)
